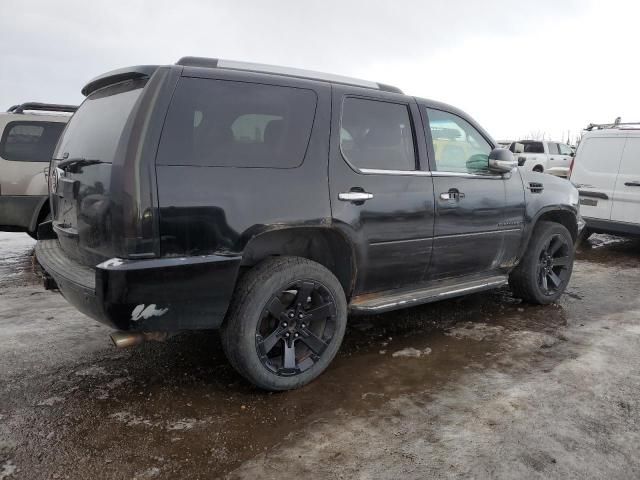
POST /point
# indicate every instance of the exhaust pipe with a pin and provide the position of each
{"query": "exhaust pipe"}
(131, 339)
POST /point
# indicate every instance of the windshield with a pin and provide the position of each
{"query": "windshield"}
(94, 131)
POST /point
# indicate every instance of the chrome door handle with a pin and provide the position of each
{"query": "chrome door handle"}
(355, 196)
(451, 195)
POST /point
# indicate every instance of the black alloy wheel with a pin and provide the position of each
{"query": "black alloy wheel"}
(553, 265)
(545, 269)
(285, 323)
(296, 327)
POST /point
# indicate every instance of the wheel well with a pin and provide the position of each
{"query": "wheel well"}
(562, 217)
(538, 168)
(323, 245)
(39, 216)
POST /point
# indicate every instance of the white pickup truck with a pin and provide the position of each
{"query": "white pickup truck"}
(543, 156)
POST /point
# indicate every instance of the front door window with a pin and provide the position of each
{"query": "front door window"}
(458, 147)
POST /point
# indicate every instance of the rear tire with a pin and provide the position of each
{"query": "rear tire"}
(285, 323)
(545, 270)
(538, 168)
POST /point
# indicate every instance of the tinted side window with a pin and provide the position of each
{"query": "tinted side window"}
(30, 141)
(533, 147)
(377, 135)
(457, 145)
(553, 148)
(237, 124)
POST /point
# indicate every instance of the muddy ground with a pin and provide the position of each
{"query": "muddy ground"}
(500, 390)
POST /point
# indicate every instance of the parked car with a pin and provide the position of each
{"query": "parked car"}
(606, 170)
(28, 136)
(543, 156)
(270, 202)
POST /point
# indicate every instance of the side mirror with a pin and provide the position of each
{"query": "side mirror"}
(501, 161)
(518, 148)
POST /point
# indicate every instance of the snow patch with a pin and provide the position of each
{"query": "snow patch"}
(184, 424)
(50, 401)
(92, 371)
(411, 352)
(475, 331)
(148, 473)
(8, 469)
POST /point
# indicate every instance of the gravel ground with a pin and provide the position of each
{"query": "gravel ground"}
(478, 387)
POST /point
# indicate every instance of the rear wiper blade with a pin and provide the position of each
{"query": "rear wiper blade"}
(77, 162)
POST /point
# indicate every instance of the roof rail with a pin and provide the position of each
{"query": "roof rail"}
(286, 71)
(45, 107)
(617, 123)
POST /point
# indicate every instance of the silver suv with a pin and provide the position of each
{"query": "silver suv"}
(29, 133)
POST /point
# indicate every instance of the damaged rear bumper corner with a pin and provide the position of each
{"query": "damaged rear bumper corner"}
(165, 294)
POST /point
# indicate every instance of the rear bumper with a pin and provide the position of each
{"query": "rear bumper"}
(19, 212)
(166, 294)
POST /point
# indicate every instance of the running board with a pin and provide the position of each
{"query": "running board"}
(380, 302)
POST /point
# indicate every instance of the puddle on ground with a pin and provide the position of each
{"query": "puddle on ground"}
(16, 261)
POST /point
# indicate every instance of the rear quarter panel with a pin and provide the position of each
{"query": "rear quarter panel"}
(218, 210)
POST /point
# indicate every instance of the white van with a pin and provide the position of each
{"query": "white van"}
(606, 170)
(28, 135)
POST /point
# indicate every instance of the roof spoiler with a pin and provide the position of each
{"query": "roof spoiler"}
(116, 76)
(44, 107)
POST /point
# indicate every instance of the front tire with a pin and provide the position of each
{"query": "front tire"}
(285, 323)
(545, 270)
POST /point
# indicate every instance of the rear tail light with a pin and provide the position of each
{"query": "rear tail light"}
(571, 166)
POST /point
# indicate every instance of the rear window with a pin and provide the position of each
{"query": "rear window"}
(225, 123)
(601, 154)
(25, 141)
(95, 129)
(529, 147)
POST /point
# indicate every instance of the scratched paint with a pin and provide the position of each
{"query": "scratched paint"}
(143, 312)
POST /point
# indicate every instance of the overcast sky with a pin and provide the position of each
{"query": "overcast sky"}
(519, 68)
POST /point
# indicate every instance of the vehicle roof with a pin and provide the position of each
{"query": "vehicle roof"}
(140, 71)
(253, 69)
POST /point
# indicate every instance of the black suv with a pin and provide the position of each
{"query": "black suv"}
(272, 202)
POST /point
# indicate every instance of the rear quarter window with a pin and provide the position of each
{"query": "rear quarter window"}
(222, 123)
(28, 141)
